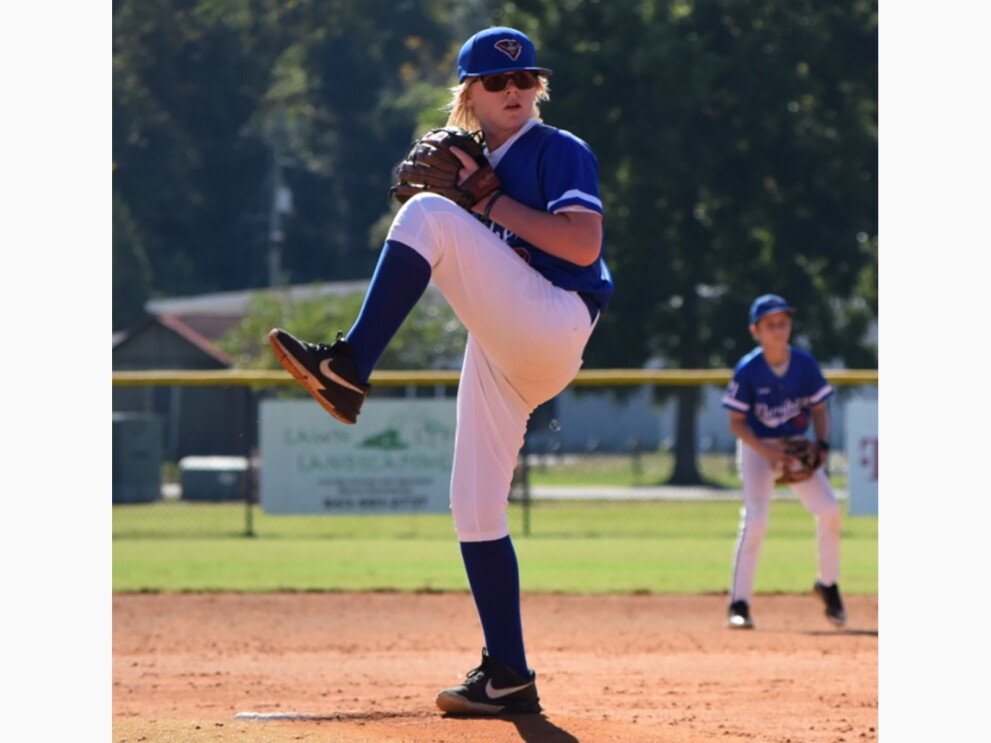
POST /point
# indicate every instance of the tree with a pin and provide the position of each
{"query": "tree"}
(738, 153)
(431, 337)
(132, 274)
(737, 143)
(217, 101)
(187, 76)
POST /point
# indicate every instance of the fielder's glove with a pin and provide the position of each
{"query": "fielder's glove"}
(807, 457)
(430, 165)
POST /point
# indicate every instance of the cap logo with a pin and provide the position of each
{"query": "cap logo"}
(510, 47)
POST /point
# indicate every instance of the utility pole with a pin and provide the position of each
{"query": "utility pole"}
(281, 204)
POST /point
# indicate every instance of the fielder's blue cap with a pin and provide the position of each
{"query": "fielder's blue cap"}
(767, 304)
(497, 49)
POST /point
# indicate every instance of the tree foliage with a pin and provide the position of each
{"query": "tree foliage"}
(738, 148)
(737, 143)
(432, 337)
(217, 100)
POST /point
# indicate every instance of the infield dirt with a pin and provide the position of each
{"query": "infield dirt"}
(367, 667)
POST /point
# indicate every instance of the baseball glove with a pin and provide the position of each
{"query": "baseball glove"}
(806, 459)
(430, 165)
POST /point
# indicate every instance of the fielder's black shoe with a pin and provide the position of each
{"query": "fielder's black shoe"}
(326, 371)
(830, 596)
(739, 615)
(492, 689)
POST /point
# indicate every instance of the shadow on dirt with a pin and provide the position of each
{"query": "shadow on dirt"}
(532, 728)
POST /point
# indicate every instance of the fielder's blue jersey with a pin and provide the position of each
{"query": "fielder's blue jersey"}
(776, 406)
(551, 169)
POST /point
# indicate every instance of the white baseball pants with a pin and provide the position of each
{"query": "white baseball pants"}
(758, 485)
(525, 343)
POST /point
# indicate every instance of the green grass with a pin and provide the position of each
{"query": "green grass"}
(570, 547)
(648, 469)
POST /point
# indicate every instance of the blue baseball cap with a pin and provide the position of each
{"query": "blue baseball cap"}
(497, 49)
(768, 304)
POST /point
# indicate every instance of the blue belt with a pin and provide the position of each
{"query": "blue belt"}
(593, 306)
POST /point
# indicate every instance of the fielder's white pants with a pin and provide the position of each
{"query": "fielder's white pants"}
(758, 484)
(525, 343)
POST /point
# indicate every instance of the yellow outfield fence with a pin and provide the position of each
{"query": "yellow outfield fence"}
(195, 415)
(585, 378)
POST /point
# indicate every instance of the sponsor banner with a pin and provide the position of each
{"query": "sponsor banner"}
(396, 459)
(861, 445)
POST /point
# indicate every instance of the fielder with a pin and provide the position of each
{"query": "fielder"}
(515, 245)
(775, 391)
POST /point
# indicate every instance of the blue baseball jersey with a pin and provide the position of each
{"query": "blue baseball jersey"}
(551, 169)
(776, 406)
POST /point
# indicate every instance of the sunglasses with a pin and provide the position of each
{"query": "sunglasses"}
(521, 79)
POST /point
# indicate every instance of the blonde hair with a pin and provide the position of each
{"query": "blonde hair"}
(460, 114)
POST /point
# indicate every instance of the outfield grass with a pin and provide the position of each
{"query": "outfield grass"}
(648, 469)
(572, 547)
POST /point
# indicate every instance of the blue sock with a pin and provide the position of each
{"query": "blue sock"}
(399, 281)
(494, 577)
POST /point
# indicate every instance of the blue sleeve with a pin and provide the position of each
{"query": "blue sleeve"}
(569, 174)
(820, 389)
(739, 392)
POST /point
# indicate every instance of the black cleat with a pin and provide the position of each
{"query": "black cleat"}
(739, 615)
(830, 596)
(492, 689)
(326, 371)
